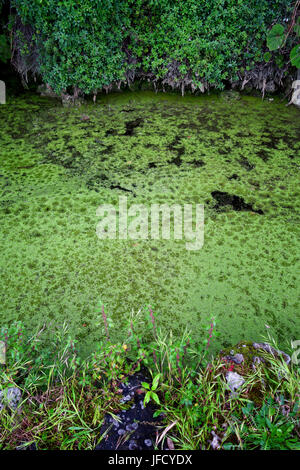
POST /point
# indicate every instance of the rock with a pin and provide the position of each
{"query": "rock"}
(296, 93)
(215, 443)
(10, 397)
(132, 445)
(234, 381)
(268, 348)
(257, 360)
(236, 358)
(2, 92)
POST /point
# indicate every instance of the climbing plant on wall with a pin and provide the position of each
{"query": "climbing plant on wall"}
(89, 45)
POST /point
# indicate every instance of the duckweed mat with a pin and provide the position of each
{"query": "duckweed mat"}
(238, 158)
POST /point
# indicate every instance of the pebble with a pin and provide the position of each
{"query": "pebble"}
(132, 445)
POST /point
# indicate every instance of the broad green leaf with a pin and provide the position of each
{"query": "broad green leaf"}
(275, 37)
(155, 382)
(155, 398)
(147, 398)
(295, 56)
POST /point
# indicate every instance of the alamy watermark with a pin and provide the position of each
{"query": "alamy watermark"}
(160, 221)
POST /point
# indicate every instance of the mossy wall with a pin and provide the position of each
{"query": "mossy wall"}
(57, 165)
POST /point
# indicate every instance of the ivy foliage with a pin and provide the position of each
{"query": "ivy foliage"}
(277, 38)
(93, 43)
(4, 42)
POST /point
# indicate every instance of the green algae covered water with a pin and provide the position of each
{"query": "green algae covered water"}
(238, 158)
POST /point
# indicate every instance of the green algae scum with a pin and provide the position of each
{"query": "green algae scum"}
(238, 158)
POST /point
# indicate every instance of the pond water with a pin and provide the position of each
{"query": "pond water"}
(238, 158)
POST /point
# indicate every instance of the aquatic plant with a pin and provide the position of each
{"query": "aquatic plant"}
(238, 160)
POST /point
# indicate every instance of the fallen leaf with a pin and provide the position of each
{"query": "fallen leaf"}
(165, 432)
(170, 444)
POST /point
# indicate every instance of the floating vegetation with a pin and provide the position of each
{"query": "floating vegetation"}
(240, 159)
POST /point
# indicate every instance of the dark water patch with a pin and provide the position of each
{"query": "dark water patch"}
(179, 149)
(255, 184)
(275, 141)
(26, 167)
(132, 125)
(196, 163)
(189, 125)
(71, 162)
(246, 164)
(263, 154)
(243, 135)
(236, 202)
(225, 137)
(19, 133)
(176, 161)
(111, 132)
(98, 180)
(234, 177)
(117, 186)
(107, 149)
(223, 151)
(103, 181)
(211, 126)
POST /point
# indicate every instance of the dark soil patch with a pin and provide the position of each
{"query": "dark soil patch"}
(236, 202)
(136, 427)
